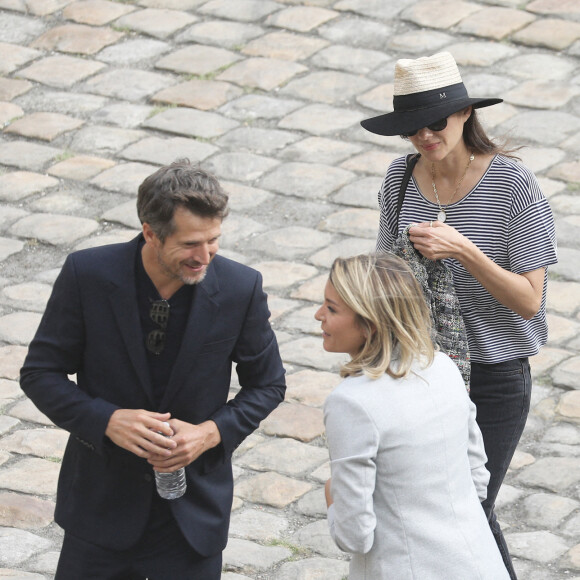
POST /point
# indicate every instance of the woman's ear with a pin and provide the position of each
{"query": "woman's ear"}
(369, 329)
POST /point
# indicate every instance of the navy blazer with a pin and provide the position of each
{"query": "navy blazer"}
(91, 329)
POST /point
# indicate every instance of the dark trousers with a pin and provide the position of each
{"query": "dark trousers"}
(501, 392)
(161, 554)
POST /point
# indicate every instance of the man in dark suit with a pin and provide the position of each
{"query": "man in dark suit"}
(151, 328)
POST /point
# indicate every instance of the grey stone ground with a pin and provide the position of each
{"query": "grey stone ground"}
(268, 94)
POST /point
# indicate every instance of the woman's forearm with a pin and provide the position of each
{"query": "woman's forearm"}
(521, 293)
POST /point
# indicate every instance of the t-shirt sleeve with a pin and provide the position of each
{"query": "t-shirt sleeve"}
(532, 234)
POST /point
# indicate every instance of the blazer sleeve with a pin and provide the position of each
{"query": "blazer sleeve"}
(260, 375)
(353, 441)
(477, 456)
(56, 352)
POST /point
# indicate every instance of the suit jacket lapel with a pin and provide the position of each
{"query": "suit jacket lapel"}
(202, 313)
(123, 300)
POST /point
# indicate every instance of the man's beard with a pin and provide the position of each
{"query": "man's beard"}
(177, 275)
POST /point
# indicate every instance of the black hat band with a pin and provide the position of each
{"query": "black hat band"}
(429, 99)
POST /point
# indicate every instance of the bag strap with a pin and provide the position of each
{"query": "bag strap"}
(411, 162)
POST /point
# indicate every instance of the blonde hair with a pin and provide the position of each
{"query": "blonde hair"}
(391, 309)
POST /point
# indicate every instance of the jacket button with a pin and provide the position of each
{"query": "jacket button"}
(148, 477)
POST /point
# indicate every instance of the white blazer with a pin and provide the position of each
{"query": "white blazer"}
(408, 474)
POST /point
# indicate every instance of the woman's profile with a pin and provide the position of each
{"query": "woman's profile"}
(407, 457)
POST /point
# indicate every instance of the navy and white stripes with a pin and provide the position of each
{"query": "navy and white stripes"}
(507, 217)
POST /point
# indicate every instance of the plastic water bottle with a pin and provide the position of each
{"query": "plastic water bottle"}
(171, 485)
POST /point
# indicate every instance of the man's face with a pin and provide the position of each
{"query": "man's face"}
(186, 254)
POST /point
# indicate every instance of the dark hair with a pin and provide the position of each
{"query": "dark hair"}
(477, 140)
(180, 184)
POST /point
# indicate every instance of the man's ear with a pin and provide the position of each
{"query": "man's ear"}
(148, 233)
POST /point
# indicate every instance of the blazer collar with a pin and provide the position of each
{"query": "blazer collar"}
(123, 299)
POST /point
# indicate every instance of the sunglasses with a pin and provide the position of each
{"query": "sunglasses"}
(159, 314)
(437, 126)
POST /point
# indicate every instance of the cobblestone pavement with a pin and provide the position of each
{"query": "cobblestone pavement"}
(268, 94)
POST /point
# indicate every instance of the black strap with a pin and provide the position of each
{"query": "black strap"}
(411, 162)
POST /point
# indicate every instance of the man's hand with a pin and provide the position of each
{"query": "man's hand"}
(191, 441)
(141, 432)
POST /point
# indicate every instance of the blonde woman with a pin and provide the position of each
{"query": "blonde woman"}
(407, 457)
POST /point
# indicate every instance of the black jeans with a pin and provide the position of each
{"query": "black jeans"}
(501, 392)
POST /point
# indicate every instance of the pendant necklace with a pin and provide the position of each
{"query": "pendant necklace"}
(441, 215)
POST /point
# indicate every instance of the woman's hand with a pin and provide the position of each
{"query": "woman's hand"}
(436, 240)
(521, 293)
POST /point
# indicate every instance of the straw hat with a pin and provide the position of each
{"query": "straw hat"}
(426, 89)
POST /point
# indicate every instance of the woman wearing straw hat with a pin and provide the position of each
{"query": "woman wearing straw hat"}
(482, 212)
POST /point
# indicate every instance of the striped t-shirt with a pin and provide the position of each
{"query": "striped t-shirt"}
(508, 218)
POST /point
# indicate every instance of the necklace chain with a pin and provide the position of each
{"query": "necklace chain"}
(441, 216)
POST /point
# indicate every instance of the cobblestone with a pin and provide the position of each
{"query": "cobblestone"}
(9, 247)
(80, 167)
(199, 94)
(76, 104)
(197, 60)
(130, 84)
(539, 66)
(262, 73)
(308, 180)
(60, 71)
(20, 184)
(27, 296)
(124, 178)
(284, 45)
(53, 228)
(76, 39)
(221, 33)
(300, 422)
(191, 123)
(436, 14)
(538, 546)
(18, 545)
(26, 155)
(13, 56)
(249, 556)
(43, 126)
(555, 34)
(96, 94)
(271, 489)
(16, 29)
(311, 568)
(159, 23)
(258, 525)
(95, 12)
(301, 18)
(495, 23)
(134, 51)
